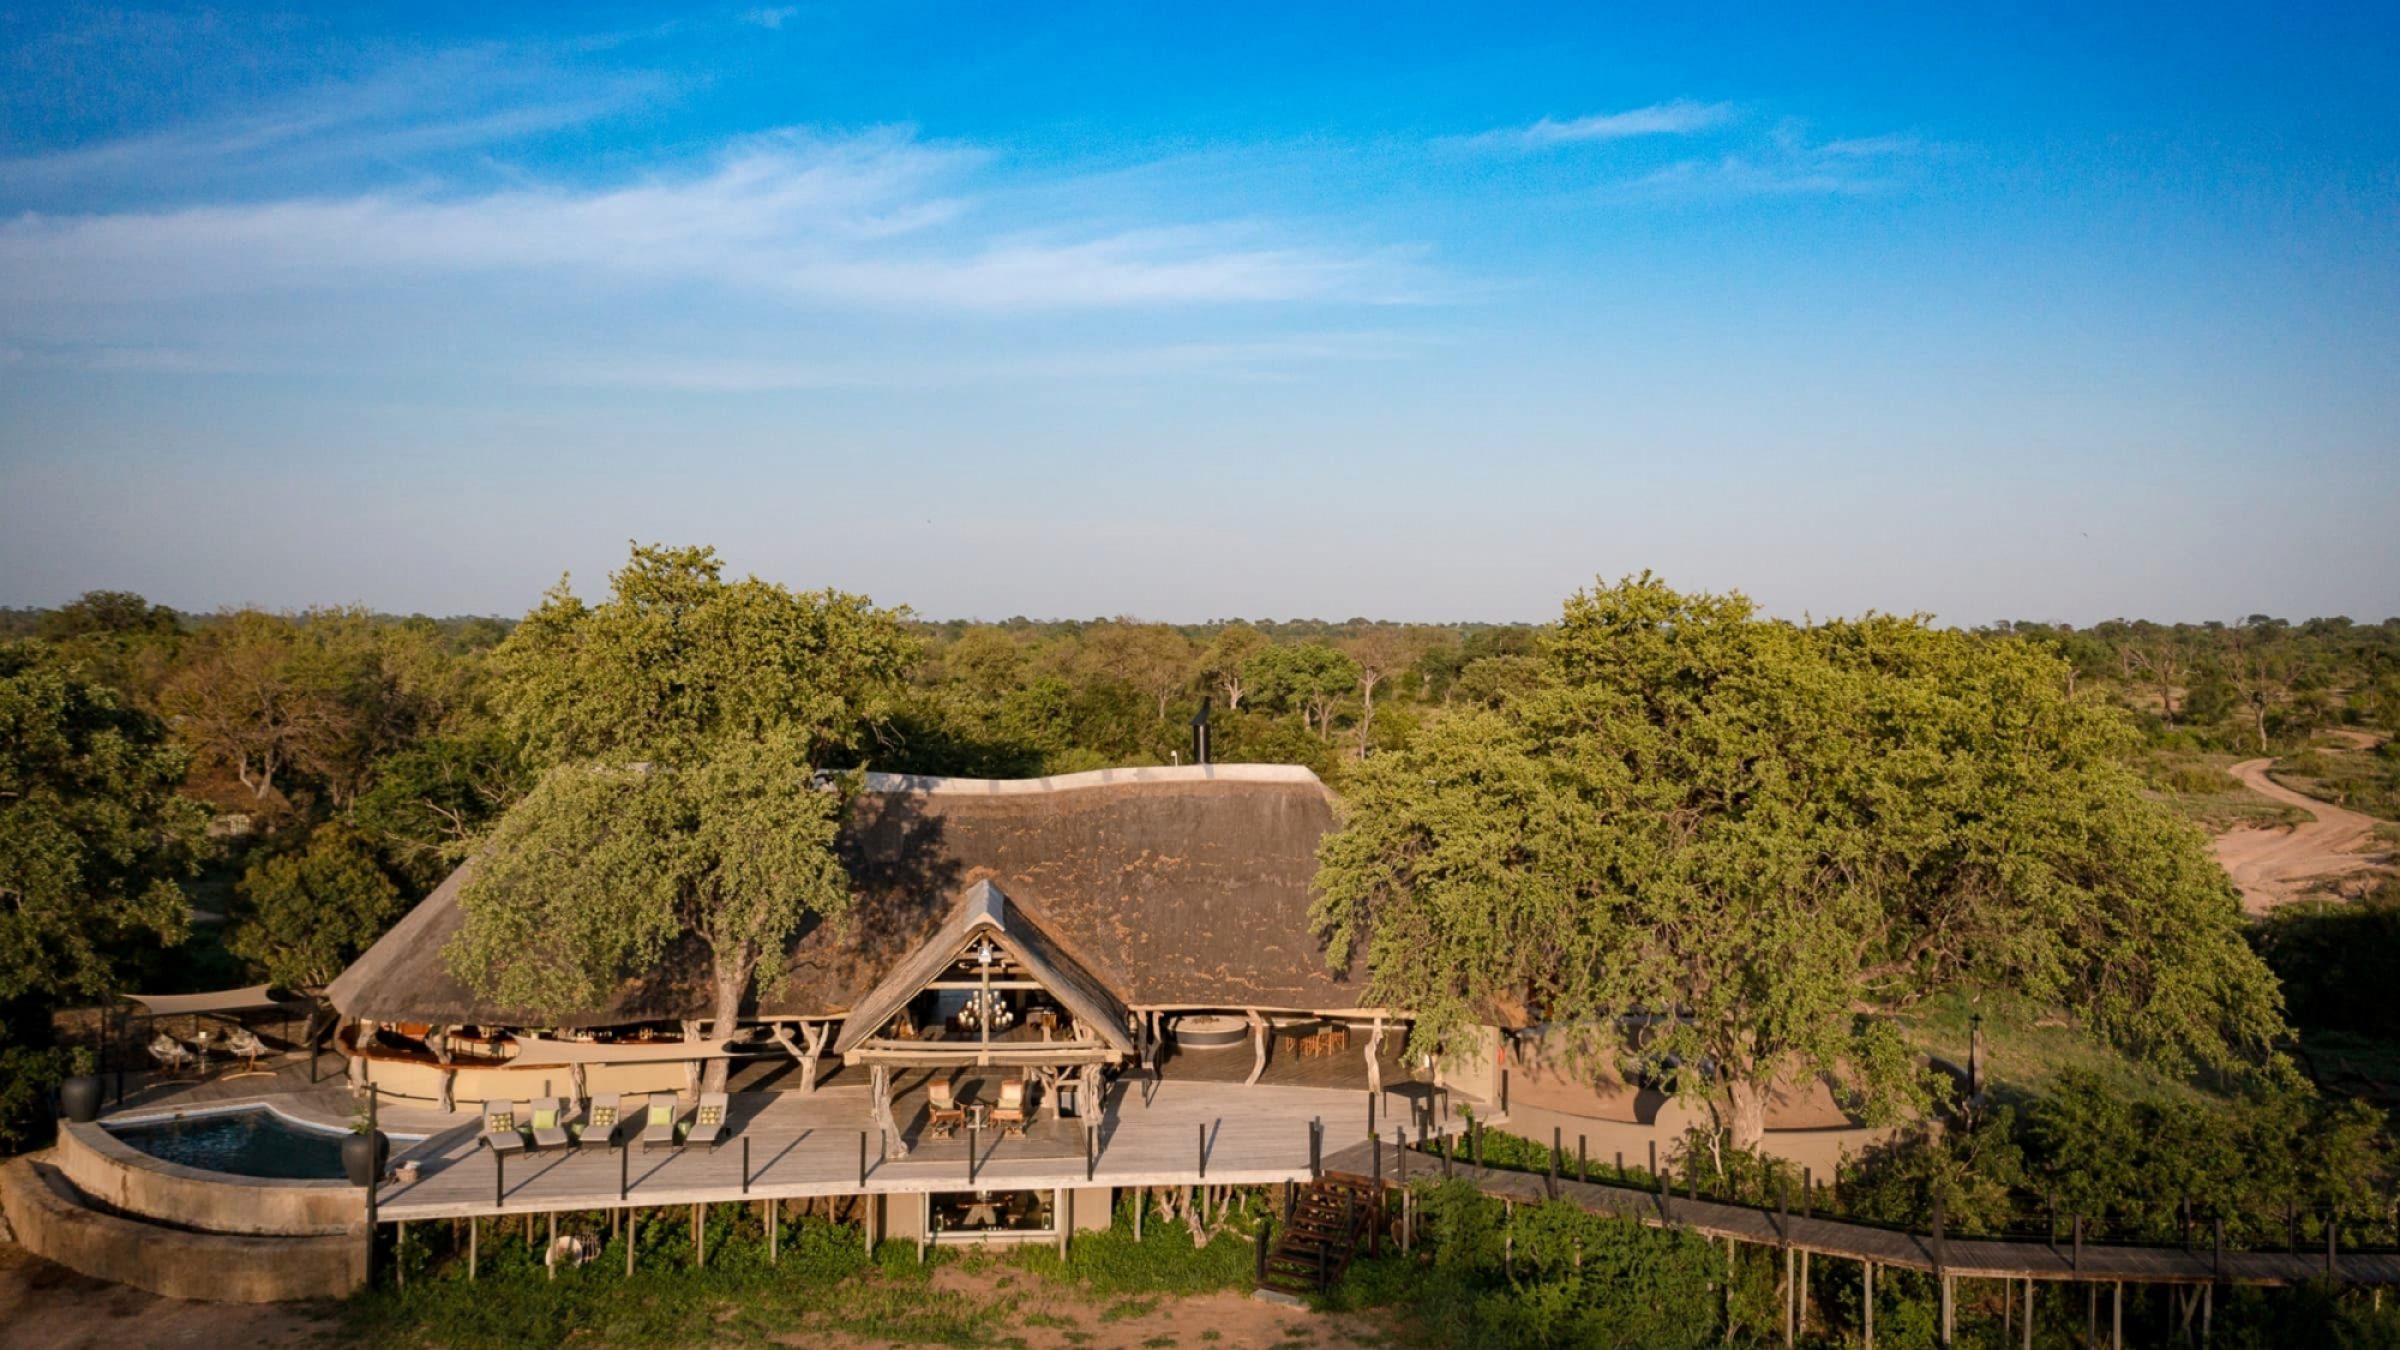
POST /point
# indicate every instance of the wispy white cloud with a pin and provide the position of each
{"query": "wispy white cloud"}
(1790, 163)
(456, 99)
(1681, 117)
(1262, 359)
(770, 18)
(879, 219)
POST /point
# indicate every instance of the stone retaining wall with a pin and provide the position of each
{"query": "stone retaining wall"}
(126, 1179)
(52, 1220)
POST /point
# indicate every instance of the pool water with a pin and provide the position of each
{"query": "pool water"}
(252, 1143)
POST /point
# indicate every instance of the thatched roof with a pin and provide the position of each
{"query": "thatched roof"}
(1182, 887)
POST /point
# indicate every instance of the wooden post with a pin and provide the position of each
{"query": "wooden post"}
(550, 1256)
(774, 1226)
(1867, 1305)
(1791, 1290)
(1949, 1303)
(2029, 1312)
(375, 1178)
(399, 1243)
(1400, 1155)
(1266, 1235)
(1141, 1201)
(1372, 1133)
(2116, 1318)
(699, 1236)
(474, 1231)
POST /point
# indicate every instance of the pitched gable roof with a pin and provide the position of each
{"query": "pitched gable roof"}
(984, 910)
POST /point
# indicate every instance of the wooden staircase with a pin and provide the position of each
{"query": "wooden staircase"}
(1319, 1234)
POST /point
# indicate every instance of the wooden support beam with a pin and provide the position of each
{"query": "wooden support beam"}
(1259, 1037)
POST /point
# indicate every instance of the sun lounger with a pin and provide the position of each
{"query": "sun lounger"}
(599, 1128)
(549, 1129)
(500, 1132)
(658, 1126)
(172, 1055)
(944, 1114)
(1009, 1115)
(708, 1120)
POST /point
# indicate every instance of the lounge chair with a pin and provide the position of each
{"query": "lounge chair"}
(549, 1131)
(659, 1123)
(172, 1055)
(944, 1113)
(599, 1127)
(708, 1120)
(244, 1042)
(500, 1132)
(1009, 1115)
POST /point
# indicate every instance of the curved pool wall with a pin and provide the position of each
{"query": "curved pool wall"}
(126, 1179)
(54, 1219)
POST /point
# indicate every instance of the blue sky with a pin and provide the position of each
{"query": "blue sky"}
(1226, 310)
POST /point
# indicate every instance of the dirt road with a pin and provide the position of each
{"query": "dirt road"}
(2276, 867)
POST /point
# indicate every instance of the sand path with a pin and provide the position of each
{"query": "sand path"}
(2277, 866)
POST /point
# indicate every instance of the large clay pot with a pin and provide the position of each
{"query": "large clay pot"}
(364, 1157)
(79, 1098)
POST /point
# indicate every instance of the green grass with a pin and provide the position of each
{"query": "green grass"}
(2027, 1046)
(2363, 780)
(2197, 785)
(825, 1286)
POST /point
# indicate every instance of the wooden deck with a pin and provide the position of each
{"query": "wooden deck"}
(809, 1145)
(1966, 1258)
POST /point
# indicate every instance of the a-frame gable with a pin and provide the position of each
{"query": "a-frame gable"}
(983, 912)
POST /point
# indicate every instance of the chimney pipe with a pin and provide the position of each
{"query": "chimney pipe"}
(1200, 735)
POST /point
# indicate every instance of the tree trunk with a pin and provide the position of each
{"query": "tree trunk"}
(1745, 1113)
(733, 979)
(1366, 716)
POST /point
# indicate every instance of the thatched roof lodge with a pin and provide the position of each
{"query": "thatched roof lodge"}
(1119, 896)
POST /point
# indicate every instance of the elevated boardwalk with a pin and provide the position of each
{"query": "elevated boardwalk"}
(1963, 1258)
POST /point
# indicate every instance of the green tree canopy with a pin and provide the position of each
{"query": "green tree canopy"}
(92, 835)
(678, 727)
(307, 914)
(1741, 845)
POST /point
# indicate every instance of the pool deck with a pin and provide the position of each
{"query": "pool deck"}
(1194, 1122)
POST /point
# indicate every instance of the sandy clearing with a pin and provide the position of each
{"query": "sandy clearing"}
(44, 1306)
(2277, 866)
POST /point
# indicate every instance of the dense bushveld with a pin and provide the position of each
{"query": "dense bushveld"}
(199, 800)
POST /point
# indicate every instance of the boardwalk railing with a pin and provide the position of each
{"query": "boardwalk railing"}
(1966, 1258)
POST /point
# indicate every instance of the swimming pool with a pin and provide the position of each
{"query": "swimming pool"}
(252, 1142)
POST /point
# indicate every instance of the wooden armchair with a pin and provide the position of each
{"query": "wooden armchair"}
(944, 1113)
(1010, 1114)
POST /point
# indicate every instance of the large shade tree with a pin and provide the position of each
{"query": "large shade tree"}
(679, 726)
(1742, 847)
(92, 841)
